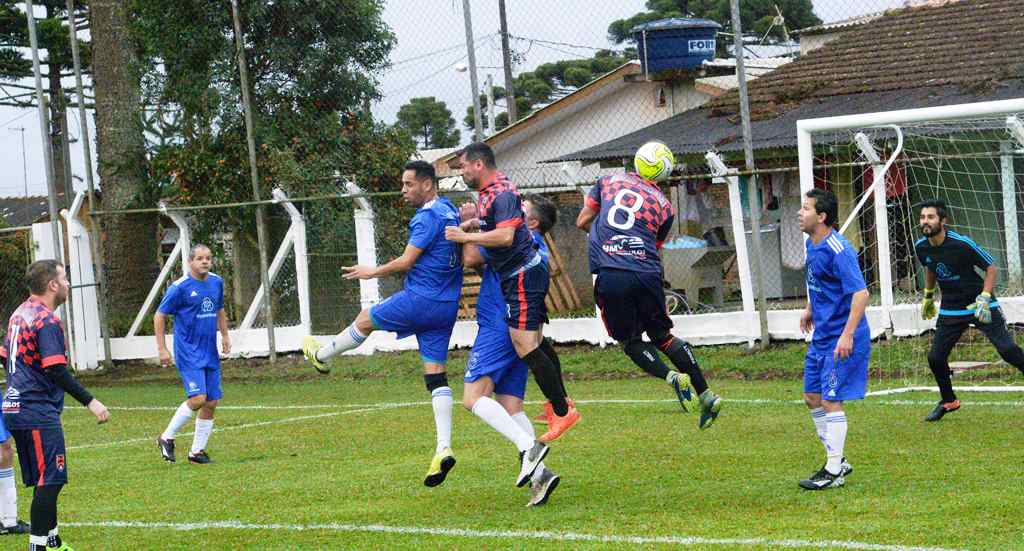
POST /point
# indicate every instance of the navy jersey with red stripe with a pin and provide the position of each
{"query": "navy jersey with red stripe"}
(633, 218)
(500, 206)
(34, 342)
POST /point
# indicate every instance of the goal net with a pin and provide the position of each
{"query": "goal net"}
(881, 166)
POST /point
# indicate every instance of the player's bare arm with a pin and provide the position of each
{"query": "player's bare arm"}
(858, 304)
(807, 320)
(585, 218)
(501, 237)
(399, 265)
(222, 326)
(160, 330)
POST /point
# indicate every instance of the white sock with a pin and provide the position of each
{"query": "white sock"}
(41, 541)
(346, 340)
(181, 416)
(203, 429)
(494, 415)
(818, 416)
(524, 423)
(441, 399)
(836, 438)
(8, 497)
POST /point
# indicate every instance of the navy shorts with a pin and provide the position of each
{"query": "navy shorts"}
(524, 296)
(41, 455)
(631, 303)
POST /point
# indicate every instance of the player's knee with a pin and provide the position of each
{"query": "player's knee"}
(936, 360)
(661, 340)
(363, 322)
(633, 346)
(812, 400)
(469, 400)
(210, 405)
(6, 455)
(195, 403)
(435, 381)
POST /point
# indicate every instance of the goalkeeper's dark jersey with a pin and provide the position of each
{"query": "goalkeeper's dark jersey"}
(956, 264)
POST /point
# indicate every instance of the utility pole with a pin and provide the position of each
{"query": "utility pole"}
(506, 56)
(748, 154)
(478, 126)
(24, 159)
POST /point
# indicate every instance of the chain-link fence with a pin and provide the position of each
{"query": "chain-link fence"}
(308, 97)
(15, 256)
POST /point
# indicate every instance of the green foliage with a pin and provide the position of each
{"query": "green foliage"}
(311, 69)
(53, 36)
(429, 122)
(551, 81)
(15, 256)
(755, 15)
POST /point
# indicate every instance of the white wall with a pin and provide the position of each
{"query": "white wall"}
(618, 109)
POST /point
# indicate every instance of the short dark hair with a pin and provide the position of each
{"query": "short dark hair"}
(938, 204)
(195, 248)
(422, 169)
(39, 275)
(479, 151)
(825, 203)
(544, 210)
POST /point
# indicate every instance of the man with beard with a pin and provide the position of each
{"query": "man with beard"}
(953, 260)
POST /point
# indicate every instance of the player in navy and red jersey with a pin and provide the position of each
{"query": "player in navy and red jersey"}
(628, 219)
(524, 277)
(37, 377)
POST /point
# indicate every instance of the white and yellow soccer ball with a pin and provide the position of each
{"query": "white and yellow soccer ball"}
(654, 161)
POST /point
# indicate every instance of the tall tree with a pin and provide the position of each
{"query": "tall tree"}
(755, 15)
(16, 64)
(429, 122)
(130, 243)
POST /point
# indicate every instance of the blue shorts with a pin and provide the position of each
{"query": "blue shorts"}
(524, 294)
(494, 356)
(4, 433)
(202, 381)
(431, 321)
(42, 456)
(837, 380)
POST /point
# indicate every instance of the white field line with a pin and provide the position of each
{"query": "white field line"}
(508, 534)
(906, 389)
(231, 427)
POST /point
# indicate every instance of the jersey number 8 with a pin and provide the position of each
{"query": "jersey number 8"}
(631, 210)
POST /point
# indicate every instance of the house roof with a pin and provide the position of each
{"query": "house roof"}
(915, 57)
(551, 109)
(24, 211)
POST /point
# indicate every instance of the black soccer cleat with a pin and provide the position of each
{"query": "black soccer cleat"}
(199, 458)
(823, 480)
(19, 527)
(166, 448)
(941, 409)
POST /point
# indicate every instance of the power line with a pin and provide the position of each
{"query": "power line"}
(566, 44)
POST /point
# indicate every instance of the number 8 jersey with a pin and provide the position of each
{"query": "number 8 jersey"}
(633, 219)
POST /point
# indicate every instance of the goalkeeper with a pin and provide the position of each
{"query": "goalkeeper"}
(954, 261)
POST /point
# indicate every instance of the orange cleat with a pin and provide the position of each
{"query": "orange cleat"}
(545, 416)
(558, 425)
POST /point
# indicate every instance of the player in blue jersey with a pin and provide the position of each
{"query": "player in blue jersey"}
(426, 307)
(196, 300)
(952, 261)
(36, 362)
(9, 523)
(494, 369)
(524, 277)
(836, 366)
(628, 218)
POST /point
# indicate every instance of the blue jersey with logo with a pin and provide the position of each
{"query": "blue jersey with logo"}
(194, 305)
(500, 206)
(491, 308)
(955, 263)
(34, 342)
(633, 218)
(437, 274)
(833, 276)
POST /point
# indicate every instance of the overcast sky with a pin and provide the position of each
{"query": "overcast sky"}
(431, 42)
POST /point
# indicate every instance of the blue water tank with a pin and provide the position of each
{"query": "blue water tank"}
(675, 44)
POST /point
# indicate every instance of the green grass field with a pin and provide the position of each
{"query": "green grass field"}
(338, 468)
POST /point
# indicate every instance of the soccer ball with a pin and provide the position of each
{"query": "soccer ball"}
(654, 161)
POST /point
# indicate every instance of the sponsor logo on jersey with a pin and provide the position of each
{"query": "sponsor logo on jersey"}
(625, 245)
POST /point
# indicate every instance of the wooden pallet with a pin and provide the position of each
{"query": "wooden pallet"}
(562, 296)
